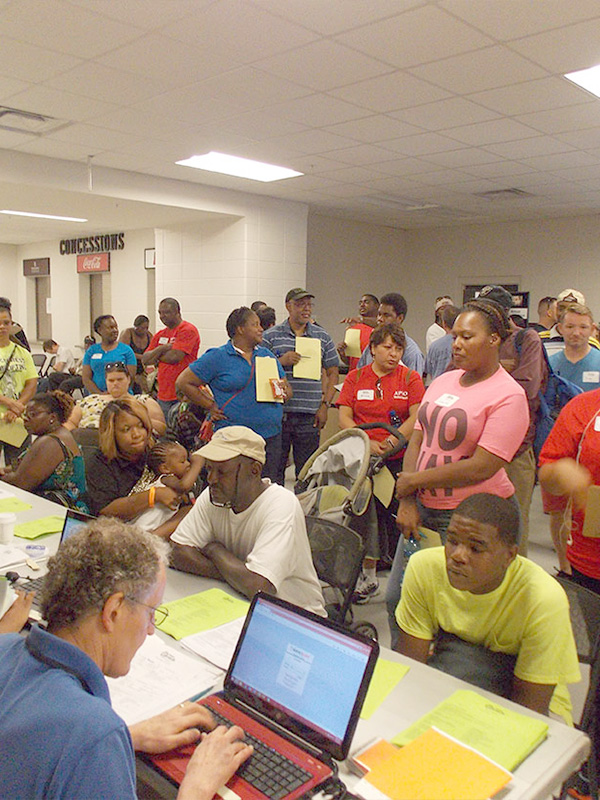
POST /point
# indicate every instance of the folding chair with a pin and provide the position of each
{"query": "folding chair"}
(585, 621)
(337, 554)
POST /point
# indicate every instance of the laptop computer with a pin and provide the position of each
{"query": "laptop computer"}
(296, 685)
(72, 523)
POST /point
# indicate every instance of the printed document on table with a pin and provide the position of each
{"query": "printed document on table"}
(159, 678)
(309, 365)
(216, 645)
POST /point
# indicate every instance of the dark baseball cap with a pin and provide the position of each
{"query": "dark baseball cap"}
(498, 294)
(297, 294)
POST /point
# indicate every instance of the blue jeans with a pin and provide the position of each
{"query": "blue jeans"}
(273, 452)
(298, 432)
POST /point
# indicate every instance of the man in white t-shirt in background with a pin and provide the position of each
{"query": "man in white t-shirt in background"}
(61, 369)
(246, 530)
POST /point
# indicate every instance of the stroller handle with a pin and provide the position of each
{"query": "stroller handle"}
(369, 426)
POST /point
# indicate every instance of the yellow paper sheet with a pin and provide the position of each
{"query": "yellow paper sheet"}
(10, 505)
(39, 527)
(386, 676)
(437, 767)
(384, 484)
(202, 611)
(309, 365)
(13, 432)
(352, 339)
(505, 736)
(266, 368)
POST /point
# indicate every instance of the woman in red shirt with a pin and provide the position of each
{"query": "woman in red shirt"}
(383, 391)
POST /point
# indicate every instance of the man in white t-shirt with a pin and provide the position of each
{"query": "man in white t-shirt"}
(245, 530)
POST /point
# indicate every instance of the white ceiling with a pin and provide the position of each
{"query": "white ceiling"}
(383, 104)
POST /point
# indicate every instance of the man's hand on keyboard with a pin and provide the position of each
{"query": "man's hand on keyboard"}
(17, 615)
(215, 760)
(173, 728)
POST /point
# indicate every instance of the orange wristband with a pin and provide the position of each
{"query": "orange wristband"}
(151, 496)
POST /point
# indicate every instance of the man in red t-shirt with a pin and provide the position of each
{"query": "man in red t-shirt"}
(173, 348)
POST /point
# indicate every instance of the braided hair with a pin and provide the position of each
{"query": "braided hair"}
(158, 453)
(493, 314)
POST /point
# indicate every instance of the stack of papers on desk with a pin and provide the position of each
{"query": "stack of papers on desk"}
(216, 645)
(201, 612)
(433, 766)
(499, 733)
(11, 555)
(159, 678)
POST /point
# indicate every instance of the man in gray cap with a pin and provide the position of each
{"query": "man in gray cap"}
(246, 530)
(306, 413)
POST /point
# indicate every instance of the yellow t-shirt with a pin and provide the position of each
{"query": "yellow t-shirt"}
(526, 616)
(20, 369)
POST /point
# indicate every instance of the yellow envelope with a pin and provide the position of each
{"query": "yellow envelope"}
(13, 432)
(309, 365)
(384, 484)
(352, 339)
(266, 368)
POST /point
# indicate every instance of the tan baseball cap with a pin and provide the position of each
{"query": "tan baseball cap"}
(571, 296)
(232, 441)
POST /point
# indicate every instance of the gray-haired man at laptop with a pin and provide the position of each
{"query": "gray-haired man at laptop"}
(246, 530)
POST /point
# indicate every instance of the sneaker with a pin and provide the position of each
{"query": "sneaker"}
(366, 588)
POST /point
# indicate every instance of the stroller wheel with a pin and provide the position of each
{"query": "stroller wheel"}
(365, 629)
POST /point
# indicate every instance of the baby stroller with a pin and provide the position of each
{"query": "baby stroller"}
(335, 485)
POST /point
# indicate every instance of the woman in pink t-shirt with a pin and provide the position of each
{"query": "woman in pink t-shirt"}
(471, 422)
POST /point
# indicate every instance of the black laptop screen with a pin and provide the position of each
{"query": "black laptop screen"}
(310, 671)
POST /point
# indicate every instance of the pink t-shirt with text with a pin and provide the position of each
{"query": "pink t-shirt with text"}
(455, 419)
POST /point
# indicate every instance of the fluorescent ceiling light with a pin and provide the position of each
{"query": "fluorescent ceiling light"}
(587, 78)
(40, 216)
(240, 167)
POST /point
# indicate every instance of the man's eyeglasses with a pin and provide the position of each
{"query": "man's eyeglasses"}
(159, 613)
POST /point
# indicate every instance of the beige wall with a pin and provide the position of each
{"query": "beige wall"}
(346, 259)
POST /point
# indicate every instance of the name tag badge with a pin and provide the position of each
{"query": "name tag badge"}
(446, 400)
(97, 355)
(365, 394)
(592, 376)
(597, 423)
(163, 340)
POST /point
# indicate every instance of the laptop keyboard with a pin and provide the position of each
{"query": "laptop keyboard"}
(33, 585)
(267, 770)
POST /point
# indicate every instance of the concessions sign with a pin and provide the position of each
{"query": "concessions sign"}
(94, 262)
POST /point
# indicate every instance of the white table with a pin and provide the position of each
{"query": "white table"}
(419, 691)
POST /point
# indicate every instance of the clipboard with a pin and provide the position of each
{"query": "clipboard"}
(591, 522)
(309, 365)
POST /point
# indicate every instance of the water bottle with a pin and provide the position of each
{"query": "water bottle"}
(409, 547)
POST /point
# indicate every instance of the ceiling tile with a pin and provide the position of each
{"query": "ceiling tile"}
(146, 14)
(241, 28)
(526, 148)
(29, 63)
(539, 95)
(374, 129)
(39, 22)
(462, 157)
(362, 154)
(565, 49)
(62, 105)
(400, 40)
(500, 130)
(317, 110)
(101, 82)
(561, 120)
(305, 65)
(422, 144)
(511, 20)
(389, 92)
(445, 114)
(550, 162)
(329, 18)
(314, 141)
(478, 71)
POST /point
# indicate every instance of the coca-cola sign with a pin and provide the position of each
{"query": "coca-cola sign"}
(98, 262)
